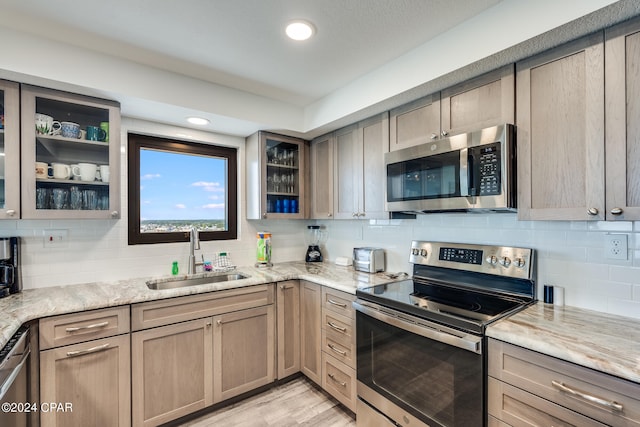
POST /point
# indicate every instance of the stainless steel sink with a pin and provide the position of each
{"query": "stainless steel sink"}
(181, 283)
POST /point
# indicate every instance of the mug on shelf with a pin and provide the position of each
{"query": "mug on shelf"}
(42, 170)
(70, 130)
(60, 171)
(85, 171)
(45, 125)
(95, 133)
(105, 127)
(103, 172)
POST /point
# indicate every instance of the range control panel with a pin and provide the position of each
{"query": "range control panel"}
(498, 260)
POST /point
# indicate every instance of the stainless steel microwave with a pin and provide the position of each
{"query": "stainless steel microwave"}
(475, 170)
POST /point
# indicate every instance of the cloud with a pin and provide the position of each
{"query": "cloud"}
(209, 186)
(149, 176)
(181, 206)
(214, 206)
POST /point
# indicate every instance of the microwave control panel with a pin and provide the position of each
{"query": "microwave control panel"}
(487, 169)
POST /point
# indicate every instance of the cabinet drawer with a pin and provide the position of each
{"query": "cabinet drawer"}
(567, 384)
(336, 345)
(339, 380)
(342, 326)
(338, 302)
(516, 407)
(159, 313)
(87, 325)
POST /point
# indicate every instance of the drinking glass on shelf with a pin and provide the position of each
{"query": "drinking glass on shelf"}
(291, 158)
(285, 183)
(275, 156)
(89, 199)
(59, 197)
(75, 195)
(42, 198)
(276, 182)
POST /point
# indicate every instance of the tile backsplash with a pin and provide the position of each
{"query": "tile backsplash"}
(569, 254)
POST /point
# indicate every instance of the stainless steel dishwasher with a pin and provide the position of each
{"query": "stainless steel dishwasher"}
(18, 387)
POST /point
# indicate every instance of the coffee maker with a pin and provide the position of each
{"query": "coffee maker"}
(10, 278)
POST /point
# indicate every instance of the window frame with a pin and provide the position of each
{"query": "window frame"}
(135, 143)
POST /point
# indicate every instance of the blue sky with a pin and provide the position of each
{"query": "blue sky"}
(181, 186)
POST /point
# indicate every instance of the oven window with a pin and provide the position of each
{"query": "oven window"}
(436, 382)
(429, 177)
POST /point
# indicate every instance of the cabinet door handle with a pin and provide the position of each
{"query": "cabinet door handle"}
(329, 215)
(444, 133)
(339, 304)
(336, 327)
(354, 215)
(11, 212)
(115, 213)
(219, 322)
(337, 350)
(283, 287)
(593, 211)
(89, 350)
(334, 379)
(609, 404)
(434, 135)
(616, 211)
(93, 326)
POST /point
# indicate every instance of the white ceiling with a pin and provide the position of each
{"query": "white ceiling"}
(203, 47)
(241, 43)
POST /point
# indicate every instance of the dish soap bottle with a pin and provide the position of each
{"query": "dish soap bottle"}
(174, 268)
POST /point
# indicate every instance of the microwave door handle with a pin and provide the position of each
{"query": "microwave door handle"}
(464, 172)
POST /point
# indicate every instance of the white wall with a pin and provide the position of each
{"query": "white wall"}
(97, 250)
(569, 254)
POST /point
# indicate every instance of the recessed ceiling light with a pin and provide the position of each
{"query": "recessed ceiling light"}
(300, 30)
(197, 121)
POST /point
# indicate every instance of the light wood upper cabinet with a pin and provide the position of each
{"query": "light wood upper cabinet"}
(276, 176)
(560, 132)
(10, 148)
(321, 169)
(288, 327)
(415, 123)
(622, 121)
(359, 178)
(62, 197)
(484, 101)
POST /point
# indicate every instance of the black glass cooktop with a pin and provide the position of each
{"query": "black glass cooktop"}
(462, 308)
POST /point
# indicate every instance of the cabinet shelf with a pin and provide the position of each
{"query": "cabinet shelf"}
(69, 182)
(277, 165)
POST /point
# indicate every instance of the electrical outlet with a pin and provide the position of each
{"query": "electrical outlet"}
(55, 238)
(615, 246)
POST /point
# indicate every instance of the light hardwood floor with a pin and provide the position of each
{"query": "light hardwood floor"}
(296, 403)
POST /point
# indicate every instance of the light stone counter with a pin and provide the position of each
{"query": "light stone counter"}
(601, 341)
(36, 303)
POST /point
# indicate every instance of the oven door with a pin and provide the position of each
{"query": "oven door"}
(410, 369)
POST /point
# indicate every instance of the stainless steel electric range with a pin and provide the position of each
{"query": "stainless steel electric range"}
(421, 344)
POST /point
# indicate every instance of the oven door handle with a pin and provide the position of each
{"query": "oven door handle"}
(464, 172)
(421, 327)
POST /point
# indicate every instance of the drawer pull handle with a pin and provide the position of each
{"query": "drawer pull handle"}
(89, 350)
(609, 404)
(82, 328)
(334, 379)
(339, 304)
(337, 350)
(336, 327)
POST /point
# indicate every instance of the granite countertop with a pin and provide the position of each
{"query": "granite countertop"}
(36, 303)
(600, 341)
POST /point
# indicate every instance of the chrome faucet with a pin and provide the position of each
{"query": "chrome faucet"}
(194, 243)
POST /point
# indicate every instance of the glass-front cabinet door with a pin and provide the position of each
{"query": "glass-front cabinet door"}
(9, 150)
(70, 155)
(276, 176)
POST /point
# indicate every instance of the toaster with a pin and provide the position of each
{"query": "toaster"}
(369, 260)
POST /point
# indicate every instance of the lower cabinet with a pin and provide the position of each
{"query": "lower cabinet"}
(225, 349)
(310, 330)
(288, 327)
(527, 388)
(87, 382)
(172, 371)
(243, 351)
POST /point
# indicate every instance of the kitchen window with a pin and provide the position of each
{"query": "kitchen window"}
(174, 186)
